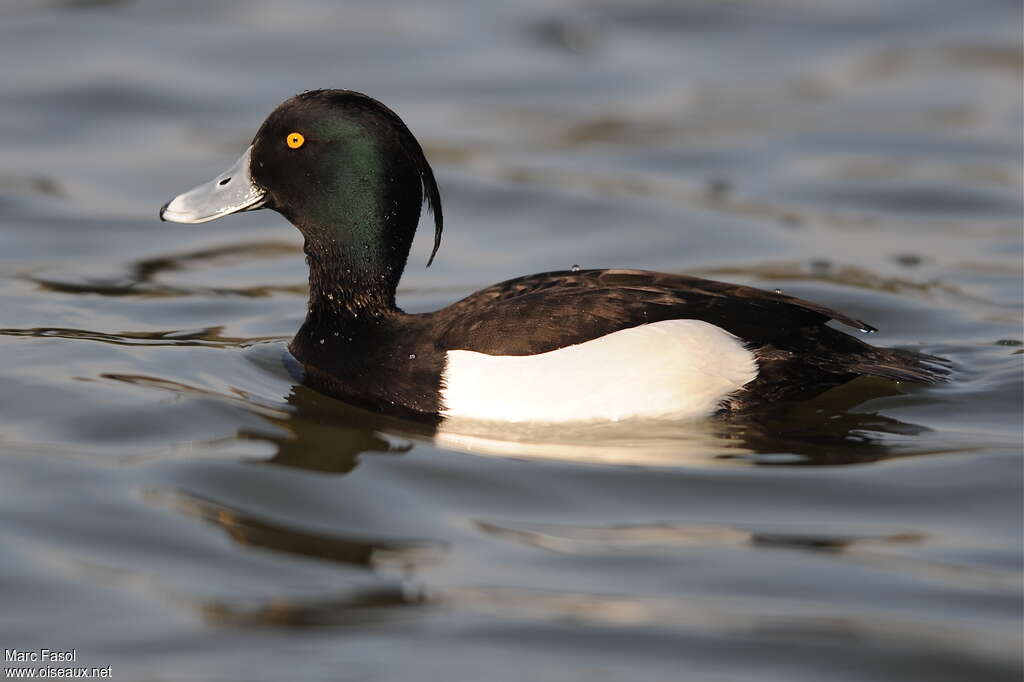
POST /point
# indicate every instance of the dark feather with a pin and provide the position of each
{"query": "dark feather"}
(355, 344)
(431, 193)
(798, 354)
(566, 307)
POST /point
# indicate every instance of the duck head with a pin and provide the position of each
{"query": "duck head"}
(348, 173)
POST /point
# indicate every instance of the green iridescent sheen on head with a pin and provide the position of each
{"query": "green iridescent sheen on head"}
(354, 188)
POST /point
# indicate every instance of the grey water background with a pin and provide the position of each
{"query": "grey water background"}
(174, 506)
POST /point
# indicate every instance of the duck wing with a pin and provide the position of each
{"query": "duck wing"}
(543, 312)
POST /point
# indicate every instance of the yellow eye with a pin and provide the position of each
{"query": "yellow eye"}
(295, 140)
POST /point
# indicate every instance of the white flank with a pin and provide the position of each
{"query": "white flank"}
(673, 369)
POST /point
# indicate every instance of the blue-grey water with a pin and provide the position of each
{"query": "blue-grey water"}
(173, 506)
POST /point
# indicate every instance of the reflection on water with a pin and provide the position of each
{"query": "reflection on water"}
(318, 433)
(325, 435)
(142, 277)
(210, 336)
(174, 504)
(400, 556)
(362, 610)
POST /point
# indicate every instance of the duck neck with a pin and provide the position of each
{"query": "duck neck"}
(352, 276)
(358, 215)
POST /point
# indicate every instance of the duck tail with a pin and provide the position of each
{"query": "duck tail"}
(903, 365)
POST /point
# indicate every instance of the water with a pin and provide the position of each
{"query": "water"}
(175, 507)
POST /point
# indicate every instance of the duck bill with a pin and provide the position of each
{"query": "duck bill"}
(230, 192)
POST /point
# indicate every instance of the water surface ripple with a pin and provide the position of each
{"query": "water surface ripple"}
(175, 506)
